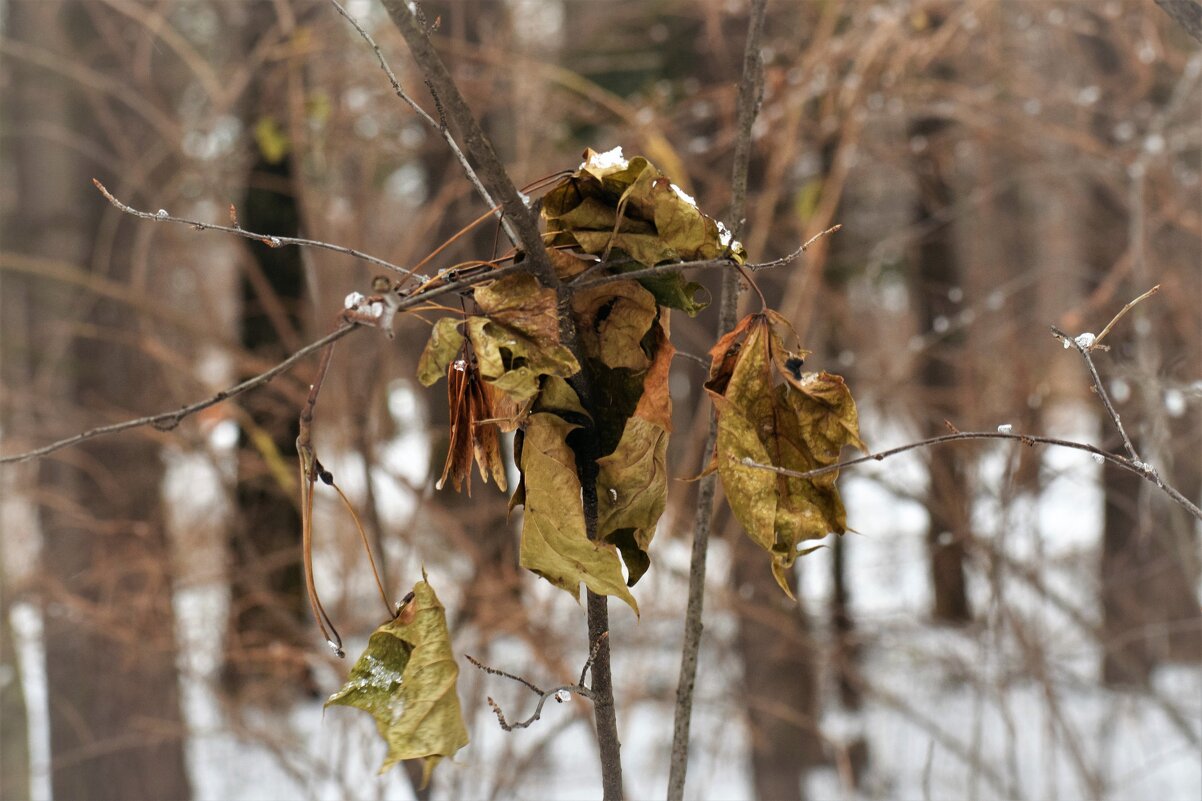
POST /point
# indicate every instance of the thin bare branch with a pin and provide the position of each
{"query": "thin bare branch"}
(1098, 387)
(750, 95)
(267, 239)
(1098, 339)
(437, 125)
(592, 656)
(165, 421)
(1141, 469)
(543, 695)
(534, 688)
(538, 709)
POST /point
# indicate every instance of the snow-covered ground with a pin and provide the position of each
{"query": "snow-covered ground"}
(969, 713)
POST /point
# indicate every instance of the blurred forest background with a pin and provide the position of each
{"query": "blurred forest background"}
(1006, 622)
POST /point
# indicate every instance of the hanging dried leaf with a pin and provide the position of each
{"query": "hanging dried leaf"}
(486, 435)
(632, 480)
(443, 347)
(612, 320)
(611, 204)
(459, 451)
(406, 679)
(772, 413)
(473, 431)
(554, 541)
(520, 302)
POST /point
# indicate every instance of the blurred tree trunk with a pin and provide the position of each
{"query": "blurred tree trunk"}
(780, 677)
(116, 729)
(14, 732)
(269, 628)
(1149, 564)
(936, 272)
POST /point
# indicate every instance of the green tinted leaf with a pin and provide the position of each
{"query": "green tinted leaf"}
(442, 348)
(554, 542)
(673, 290)
(406, 679)
(512, 362)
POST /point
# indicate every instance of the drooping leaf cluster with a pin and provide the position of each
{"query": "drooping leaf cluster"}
(508, 369)
(591, 416)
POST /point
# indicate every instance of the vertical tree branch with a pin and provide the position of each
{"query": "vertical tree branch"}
(494, 177)
(750, 95)
(1187, 14)
(475, 142)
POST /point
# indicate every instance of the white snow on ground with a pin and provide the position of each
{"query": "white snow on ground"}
(956, 714)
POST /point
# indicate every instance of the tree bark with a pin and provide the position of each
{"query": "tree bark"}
(780, 678)
(936, 271)
(269, 626)
(116, 729)
(14, 733)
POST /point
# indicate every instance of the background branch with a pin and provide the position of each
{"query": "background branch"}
(1133, 465)
(1187, 14)
(271, 241)
(750, 95)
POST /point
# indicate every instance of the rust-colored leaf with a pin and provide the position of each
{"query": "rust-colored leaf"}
(459, 451)
(523, 304)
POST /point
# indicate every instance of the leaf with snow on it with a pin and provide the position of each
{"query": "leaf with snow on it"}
(407, 680)
(611, 204)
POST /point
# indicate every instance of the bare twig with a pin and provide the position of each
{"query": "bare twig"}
(165, 421)
(534, 688)
(543, 695)
(538, 708)
(1141, 469)
(703, 264)
(267, 239)
(1098, 339)
(1098, 387)
(592, 656)
(750, 95)
(437, 125)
